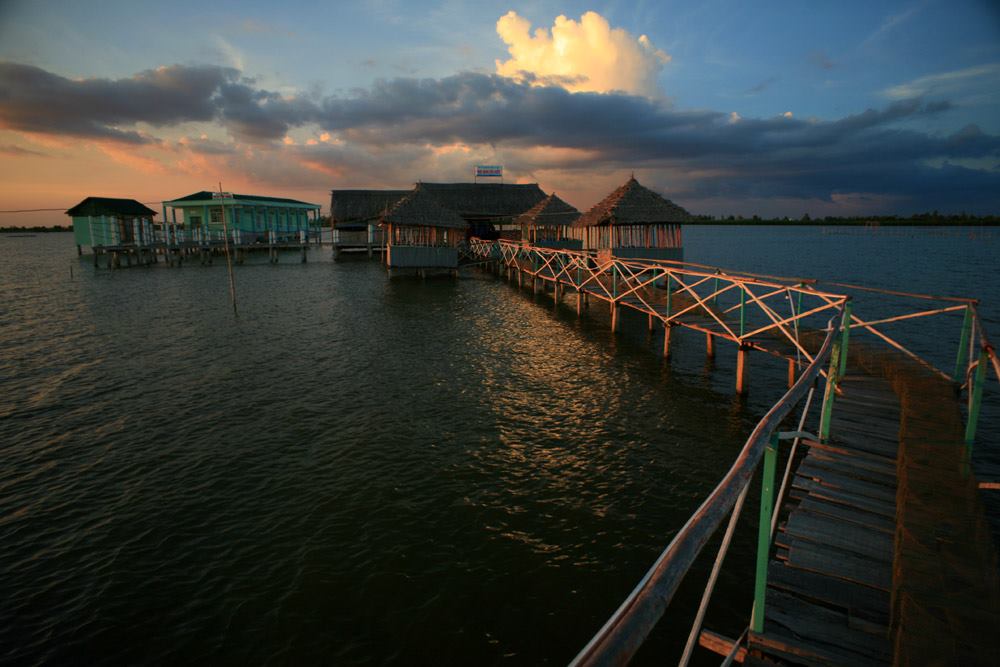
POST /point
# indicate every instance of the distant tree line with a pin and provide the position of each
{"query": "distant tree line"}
(933, 218)
(36, 229)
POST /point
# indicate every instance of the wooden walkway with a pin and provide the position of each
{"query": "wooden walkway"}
(830, 579)
(884, 555)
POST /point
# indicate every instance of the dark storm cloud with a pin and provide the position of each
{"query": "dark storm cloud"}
(34, 100)
(873, 151)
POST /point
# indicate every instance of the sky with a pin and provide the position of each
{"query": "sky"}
(748, 108)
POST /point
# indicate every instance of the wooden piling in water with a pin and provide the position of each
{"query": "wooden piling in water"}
(742, 369)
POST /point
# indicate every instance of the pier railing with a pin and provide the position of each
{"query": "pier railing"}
(755, 313)
(749, 310)
(622, 635)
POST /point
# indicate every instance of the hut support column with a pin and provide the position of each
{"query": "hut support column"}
(741, 369)
(791, 373)
(579, 303)
(667, 328)
(709, 346)
(614, 316)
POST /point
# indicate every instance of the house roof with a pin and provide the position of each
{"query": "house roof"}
(494, 200)
(362, 206)
(550, 211)
(110, 206)
(633, 204)
(420, 209)
(206, 195)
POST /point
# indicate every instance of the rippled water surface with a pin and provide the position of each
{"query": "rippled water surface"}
(357, 470)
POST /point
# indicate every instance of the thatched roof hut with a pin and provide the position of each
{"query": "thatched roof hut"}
(551, 211)
(419, 209)
(546, 223)
(356, 209)
(422, 235)
(633, 204)
(633, 221)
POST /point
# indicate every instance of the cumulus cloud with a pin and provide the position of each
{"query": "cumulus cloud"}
(584, 55)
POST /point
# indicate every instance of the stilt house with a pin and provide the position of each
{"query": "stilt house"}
(251, 217)
(422, 236)
(355, 216)
(108, 222)
(633, 221)
(547, 223)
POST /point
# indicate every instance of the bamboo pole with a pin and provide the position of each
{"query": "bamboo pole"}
(229, 260)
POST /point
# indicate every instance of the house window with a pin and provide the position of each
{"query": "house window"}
(216, 215)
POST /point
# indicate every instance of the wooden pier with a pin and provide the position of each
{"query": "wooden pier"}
(873, 548)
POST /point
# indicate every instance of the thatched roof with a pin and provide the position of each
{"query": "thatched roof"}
(633, 204)
(486, 200)
(420, 209)
(128, 208)
(362, 206)
(549, 211)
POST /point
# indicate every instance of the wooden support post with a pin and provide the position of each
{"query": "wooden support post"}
(667, 328)
(709, 346)
(579, 303)
(614, 316)
(741, 369)
(764, 533)
(649, 322)
(791, 373)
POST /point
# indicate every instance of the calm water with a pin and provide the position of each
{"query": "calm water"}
(359, 471)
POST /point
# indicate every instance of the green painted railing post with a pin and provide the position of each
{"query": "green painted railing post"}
(963, 343)
(831, 390)
(844, 338)
(743, 303)
(764, 533)
(715, 288)
(975, 398)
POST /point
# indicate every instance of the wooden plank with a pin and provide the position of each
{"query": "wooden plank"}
(815, 466)
(849, 484)
(839, 449)
(849, 537)
(847, 499)
(884, 467)
(851, 514)
(839, 564)
(853, 599)
(721, 645)
(824, 625)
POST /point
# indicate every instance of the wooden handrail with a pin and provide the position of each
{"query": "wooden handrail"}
(622, 635)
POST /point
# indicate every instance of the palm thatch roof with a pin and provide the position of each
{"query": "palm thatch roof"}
(360, 207)
(633, 204)
(128, 208)
(420, 209)
(486, 200)
(550, 211)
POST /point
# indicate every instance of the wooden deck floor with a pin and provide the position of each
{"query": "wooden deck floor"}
(882, 557)
(829, 583)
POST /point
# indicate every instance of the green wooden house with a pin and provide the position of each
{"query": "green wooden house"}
(110, 222)
(249, 218)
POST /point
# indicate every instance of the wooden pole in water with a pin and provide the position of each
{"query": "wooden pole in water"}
(229, 260)
(741, 369)
(791, 373)
(667, 328)
(709, 346)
